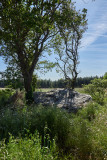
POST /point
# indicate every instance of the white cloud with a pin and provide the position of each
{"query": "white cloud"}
(97, 30)
(99, 35)
(97, 25)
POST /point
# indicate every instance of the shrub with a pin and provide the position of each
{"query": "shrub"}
(97, 89)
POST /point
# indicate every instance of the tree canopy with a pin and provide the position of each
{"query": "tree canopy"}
(26, 28)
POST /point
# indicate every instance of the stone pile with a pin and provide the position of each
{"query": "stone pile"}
(62, 98)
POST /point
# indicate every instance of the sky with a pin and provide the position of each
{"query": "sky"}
(93, 49)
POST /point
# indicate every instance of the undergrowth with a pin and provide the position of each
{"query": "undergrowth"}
(4, 96)
(37, 132)
(79, 137)
(28, 148)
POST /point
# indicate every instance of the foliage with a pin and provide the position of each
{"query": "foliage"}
(61, 82)
(105, 76)
(15, 81)
(36, 119)
(40, 83)
(89, 112)
(78, 137)
(97, 128)
(52, 132)
(97, 89)
(12, 77)
(99, 132)
(26, 148)
(4, 96)
(80, 90)
(26, 30)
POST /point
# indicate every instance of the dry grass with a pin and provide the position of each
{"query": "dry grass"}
(45, 89)
(80, 90)
(3, 88)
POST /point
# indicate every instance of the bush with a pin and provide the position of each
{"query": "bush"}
(97, 90)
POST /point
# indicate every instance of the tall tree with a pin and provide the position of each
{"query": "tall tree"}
(66, 46)
(26, 28)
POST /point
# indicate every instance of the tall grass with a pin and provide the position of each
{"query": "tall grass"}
(49, 120)
(28, 148)
(79, 137)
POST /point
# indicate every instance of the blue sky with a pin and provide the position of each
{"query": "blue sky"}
(93, 50)
(93, 54)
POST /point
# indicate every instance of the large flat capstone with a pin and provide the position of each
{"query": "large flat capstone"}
(62, 98)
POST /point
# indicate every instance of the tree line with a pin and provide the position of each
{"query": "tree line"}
(61, 83)
(40, 83)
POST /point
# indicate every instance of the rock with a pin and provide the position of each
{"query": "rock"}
(62, 98)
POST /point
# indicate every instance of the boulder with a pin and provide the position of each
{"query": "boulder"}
(62, 98)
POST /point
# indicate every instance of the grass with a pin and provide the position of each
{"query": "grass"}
(37, 132)
(3, 88)
(80, 90)
(79, 137)
(28, 148)
(44, 89)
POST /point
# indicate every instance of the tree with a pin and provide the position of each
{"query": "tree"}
(67, 48)
(13, 76)
(105, 76)
(26, 28)
(1, 79)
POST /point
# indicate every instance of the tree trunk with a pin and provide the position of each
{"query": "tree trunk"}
(28, 88)
(73, 83)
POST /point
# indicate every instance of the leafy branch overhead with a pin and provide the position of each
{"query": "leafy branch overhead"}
(27, 28)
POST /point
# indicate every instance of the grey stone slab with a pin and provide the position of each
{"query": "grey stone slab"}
(62, 98)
